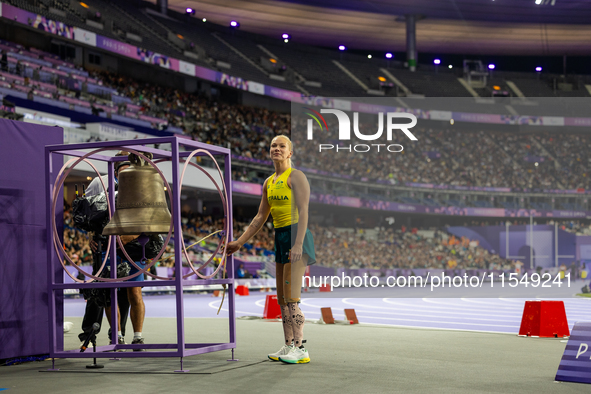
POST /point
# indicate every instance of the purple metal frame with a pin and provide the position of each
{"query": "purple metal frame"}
(181, 349)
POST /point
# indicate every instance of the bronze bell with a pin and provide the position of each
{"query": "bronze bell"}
(141, 204)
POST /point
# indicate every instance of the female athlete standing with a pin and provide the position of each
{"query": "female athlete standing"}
(286, 195)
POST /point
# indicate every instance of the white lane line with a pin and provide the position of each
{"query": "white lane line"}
(508, 312)
(419, 321)
(443, 312)
(438, 328)
(305, 302)
(450, 307)
(258, 303)
(456, 306)
(492, 318)
(440, 306)
(493, 301)
(398, 312)
(435, 322)
(513, 300)
(226, 310)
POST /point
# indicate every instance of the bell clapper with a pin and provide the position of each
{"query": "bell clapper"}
(143, 240)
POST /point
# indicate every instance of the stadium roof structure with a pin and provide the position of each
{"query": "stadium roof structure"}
(492, 27)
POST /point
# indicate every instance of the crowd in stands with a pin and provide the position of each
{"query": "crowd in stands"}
(246, 130)
(76, 242)
(577, 227)
(402, 248)
(443, 156)
(570, 150)
(77, 247)
(460, 158)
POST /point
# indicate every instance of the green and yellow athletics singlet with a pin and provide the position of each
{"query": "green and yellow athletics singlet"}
(280, 199)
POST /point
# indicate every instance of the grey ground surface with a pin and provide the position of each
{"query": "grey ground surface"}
(345, 359)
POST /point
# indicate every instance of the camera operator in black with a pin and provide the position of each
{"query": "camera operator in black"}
(94, 311)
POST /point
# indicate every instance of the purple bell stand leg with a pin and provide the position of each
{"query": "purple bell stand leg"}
(53, 368)
(182, 370)
(233, 359)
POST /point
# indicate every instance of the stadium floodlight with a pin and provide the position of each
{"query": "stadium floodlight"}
(491, 66)
(538, 2)
(285, 36)
(189, 11)
(369, 56)
(342, 47)
(437, 61)
(389, 55)
(538, 69)
(234, 24)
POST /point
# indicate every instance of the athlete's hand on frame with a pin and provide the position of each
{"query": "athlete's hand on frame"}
(233, 247)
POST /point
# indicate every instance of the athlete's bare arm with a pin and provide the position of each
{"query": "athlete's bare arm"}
(255, 226)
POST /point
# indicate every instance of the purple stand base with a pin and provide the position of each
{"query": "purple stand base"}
(182, 370)
(94, 365)
(233, 359)
(53, 368)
